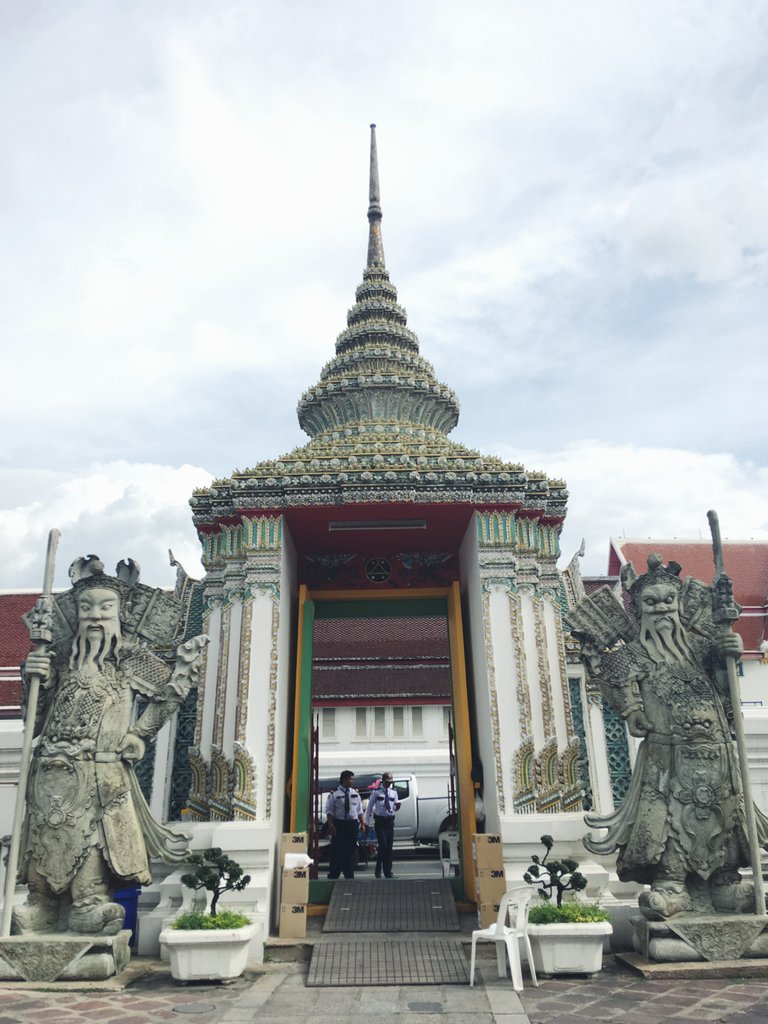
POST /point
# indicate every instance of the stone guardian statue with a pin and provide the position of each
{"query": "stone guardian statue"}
(681, 828)
(87, 830)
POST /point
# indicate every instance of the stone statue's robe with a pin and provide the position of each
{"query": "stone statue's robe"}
(81, 792)
(684, 804)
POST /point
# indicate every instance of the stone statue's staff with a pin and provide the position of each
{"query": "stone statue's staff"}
(41, 634)
(725, 612)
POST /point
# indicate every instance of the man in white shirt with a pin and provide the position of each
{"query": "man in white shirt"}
(382, 807)
(344, 810)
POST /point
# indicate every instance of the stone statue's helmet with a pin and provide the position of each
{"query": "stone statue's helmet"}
(88, 571)
(657, 573)
(150, 614)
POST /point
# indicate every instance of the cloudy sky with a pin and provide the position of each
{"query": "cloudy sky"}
(575, 207)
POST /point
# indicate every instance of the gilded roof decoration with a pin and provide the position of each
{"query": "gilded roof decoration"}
(378, 420)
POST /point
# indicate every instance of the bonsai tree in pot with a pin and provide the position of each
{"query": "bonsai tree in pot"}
(566, 938)
(210, 945)
(555, 877)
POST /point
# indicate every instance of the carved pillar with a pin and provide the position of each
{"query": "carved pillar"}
(521, 682)
(232, 762)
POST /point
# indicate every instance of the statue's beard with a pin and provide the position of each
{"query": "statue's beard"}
(93, 647)
(664, 639)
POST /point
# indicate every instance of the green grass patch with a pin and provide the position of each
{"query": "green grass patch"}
(194, 921)
(568, 913)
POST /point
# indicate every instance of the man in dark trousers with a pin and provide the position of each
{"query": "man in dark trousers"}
(344, 810)
(382, 808)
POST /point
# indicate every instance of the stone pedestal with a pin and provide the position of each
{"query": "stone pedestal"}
(63, 957)
(696, 937)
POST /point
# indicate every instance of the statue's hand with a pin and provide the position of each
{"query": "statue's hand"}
(131, 747)
(38, 664)
(638, 724)
(729, 645)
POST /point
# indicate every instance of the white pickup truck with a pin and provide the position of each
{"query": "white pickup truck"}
(425, 807)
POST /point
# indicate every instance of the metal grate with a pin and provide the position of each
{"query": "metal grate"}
(383, 961)
(391, 905)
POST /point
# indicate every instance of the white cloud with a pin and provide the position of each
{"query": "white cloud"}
(624, 490)
(115, 510)
(575, 216)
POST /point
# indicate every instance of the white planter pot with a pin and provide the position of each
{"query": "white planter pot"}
(215, 955)
(568, 948)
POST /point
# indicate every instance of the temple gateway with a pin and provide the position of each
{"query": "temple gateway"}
(384, 597)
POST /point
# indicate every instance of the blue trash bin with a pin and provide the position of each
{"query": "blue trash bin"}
(129, 898)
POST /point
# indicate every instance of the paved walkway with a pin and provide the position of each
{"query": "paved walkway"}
(276, 994)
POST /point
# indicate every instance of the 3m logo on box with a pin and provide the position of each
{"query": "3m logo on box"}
(487, 850)
(293, 921)
(491, 884)
(295, 885)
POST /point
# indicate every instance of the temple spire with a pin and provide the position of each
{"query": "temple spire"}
(375, 245)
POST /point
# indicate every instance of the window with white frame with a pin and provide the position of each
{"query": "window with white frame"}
(385, 723)
(328, 724)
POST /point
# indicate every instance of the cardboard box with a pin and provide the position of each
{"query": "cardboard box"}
(491, 884)
(293, 921)
(487, 850)
(487, 914)
(295, 885)
(292, 842)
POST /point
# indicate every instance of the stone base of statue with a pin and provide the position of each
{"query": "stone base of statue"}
(687, 938)
(64, 957)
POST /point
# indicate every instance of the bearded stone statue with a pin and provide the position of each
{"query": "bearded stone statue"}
(87, 829)
(681, 828)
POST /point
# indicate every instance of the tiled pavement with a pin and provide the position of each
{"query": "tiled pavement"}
(277, 994)
(617, 994)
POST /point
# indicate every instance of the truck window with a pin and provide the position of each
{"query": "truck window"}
(402, 788)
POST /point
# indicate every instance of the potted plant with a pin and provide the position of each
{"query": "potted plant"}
(566, 938)
(212, 945)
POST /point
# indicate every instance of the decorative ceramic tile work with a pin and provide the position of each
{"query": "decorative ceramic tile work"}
(521, 666)
(570, 781)
(560, 640)
(542, 662)
(493, 700)
(548, 785)
(221, 678)
(219, 787)
(579, 728)
(181, 778)
(525, 778)
(272, 709)
(244, 672)
(243, 785)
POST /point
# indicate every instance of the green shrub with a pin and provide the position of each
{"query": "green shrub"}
(195, 920)
(567, 913)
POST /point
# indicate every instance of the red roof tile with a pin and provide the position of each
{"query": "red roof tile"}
(14, 647)
(746, 562)
(14, 638)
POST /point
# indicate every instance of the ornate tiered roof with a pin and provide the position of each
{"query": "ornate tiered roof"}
(378, 419)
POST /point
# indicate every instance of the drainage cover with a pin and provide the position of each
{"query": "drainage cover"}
(194, 1008)
(388, 962)
(413, 905)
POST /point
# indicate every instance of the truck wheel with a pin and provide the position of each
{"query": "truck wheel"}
(447, 825)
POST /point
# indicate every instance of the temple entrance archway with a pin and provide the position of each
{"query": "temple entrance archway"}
(373, 660)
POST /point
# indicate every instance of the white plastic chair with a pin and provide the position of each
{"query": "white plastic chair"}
(449, 853)
(514, 903)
